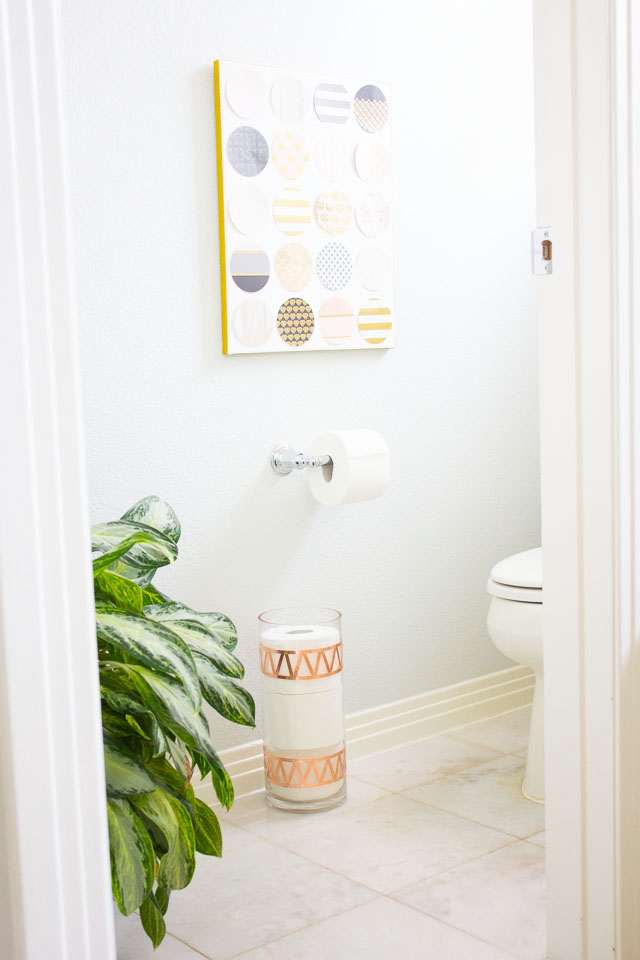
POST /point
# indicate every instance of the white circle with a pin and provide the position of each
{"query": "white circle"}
(372, 160)
(252, 322)
(287, 99)
(372, 214)
(332, 157)
(248, 209)
(246, 93)
(372, 267)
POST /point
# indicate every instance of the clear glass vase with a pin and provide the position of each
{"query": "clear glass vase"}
(303, 717)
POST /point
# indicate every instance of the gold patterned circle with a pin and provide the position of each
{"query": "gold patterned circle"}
(293, 266)
(333, 212)
(290, 154)
(295, 321)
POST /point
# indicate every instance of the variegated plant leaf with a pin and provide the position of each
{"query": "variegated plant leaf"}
(173, 821)
(132, 857)
(208, 833)
(125, 545)
(169, 702)
(152, 920)
(201, 640)
(155, 513)
(225, 696)
(125, 773)
(151, 643)
(125, 594)
(151, 595)
(221, 627)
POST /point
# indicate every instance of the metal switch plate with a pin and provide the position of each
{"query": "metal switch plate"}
(542, 251)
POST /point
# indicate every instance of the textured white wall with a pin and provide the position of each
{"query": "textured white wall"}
(168, 414)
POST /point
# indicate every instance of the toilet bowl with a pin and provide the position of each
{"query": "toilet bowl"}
(514, 623)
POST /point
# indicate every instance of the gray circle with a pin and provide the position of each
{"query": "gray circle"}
(248, 151)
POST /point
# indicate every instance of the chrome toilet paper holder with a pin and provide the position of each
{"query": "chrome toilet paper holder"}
(285, 459)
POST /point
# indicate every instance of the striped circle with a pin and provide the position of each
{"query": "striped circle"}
(333, 212)
(292, 211)
(295, 321)
(249, 267)
(334, 266)
(332, 156)
(293, 266)
(371, 108)
(290, 154)
(247, 151)
(336, 321)
(252, 322)
(372, 214)
(374, 321)
(331, 102)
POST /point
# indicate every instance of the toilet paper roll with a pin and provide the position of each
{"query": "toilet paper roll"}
(306, 722)
(301, 637)
(359, 468)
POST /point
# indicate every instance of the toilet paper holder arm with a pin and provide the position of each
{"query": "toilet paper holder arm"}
(285, 459)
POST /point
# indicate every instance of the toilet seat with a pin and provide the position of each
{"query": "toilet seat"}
(518, 577)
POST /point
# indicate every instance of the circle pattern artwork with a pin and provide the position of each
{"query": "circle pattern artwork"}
(248, 151)
(248, 208)
(334, 266)
(372, 161)
(333, 212)
(374, 321)
(372, 267)
(246, 93)
(295, 321)
(292, 211)
(331, 102)
(336, 321)
(293, 266)
(290, 153)
(249, 267)
(252, 322)
(372, 214)
(332, 157)
(371, 108)
(287, 99)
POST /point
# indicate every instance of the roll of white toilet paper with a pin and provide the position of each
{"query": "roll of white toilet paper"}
(305, 722)
(359, 468)
(312, 673)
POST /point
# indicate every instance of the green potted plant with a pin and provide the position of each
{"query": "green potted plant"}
(159, 662)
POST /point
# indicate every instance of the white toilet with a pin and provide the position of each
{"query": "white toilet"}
(514, 623)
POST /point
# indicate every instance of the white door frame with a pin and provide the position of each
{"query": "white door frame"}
(55, 898)
(590, 450)
(55, 895)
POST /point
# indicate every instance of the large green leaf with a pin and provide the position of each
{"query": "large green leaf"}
(121, 702)
(225, 696)
(125, 773)
(170, 703)
(201, 640)
(155, 513)
(132, 857)
(173, 821)
(208, 833)
(151, 595)
(152, 920)
(151, 643)
(161, 770)
(220, 626)
(122, 592)
(146, 549)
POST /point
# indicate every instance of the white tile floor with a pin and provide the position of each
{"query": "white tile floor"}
(435, 856)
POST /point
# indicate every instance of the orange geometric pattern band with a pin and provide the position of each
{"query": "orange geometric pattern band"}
(301, 774)
(301, 664)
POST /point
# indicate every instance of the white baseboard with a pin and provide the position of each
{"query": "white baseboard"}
(398, 723)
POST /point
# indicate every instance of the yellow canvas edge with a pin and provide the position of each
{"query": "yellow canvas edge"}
(223, 257)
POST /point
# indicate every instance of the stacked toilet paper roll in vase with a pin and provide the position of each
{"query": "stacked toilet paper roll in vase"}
(359, 468)
(303, 719)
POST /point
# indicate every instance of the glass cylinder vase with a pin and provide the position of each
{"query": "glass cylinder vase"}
(303, 717)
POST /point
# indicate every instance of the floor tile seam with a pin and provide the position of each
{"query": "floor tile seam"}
(504, 753)
(446, 776)
(457, 866)
(340, 813)
(461, 816)
(185, 943)
(314, 923)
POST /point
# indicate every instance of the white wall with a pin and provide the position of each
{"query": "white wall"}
(456, 400)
